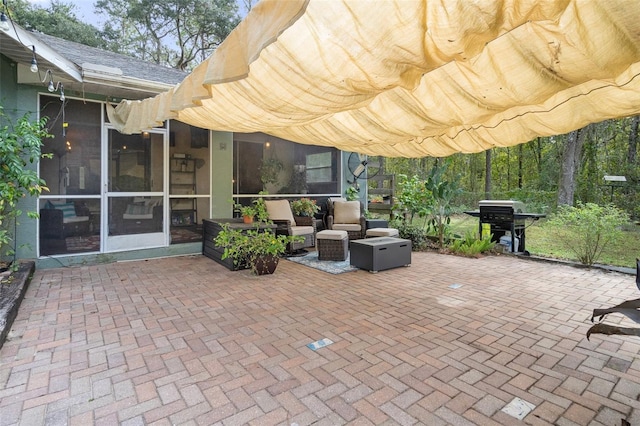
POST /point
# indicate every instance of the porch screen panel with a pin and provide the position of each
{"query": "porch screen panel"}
(135, 162)
(74, 168)
(70, 211)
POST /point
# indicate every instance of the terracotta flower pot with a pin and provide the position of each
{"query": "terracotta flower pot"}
(247, 219)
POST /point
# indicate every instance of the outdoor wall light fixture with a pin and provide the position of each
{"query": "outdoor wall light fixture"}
(51, 87)
(4, 21)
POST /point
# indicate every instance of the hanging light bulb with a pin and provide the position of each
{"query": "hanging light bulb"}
(62, 98)
(34, 62)
(50, 87)
(4, 22)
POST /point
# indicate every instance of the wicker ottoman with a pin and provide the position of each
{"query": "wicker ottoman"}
(382, 232)
(332, 245)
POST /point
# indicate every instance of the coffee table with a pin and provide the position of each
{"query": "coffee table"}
(380, 253)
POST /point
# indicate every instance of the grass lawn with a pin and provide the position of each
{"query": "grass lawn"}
(541, 241)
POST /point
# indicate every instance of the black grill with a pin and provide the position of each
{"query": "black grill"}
(505, 216)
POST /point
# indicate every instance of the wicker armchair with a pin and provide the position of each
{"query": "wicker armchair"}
(287, 224)
(347, 216)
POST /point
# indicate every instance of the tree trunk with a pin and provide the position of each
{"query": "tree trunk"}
(633, 141)
(508, 169)
(520, 155)
(487, 174)
(570, 166)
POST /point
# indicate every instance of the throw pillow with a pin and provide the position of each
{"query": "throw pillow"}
(68, 210)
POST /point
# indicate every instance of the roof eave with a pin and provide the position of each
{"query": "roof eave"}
(123, 81)
(46, 57)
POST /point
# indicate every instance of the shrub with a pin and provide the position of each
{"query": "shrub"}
(587, 229)
(20, 144)
(471, 246)
(412, 198)
(443, 192)
(417, 235)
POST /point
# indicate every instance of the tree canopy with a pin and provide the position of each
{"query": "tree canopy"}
(58, 19)
(178, 33)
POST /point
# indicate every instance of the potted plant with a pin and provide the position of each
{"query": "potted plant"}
(257, 210)
(247, 212)
(270, 170)
(258, 249)
(304, 207)
(260, 209)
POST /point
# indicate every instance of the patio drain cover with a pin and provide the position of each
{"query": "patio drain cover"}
(314, 346)
(455, 286)
(518, 408)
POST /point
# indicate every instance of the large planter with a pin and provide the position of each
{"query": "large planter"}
(266, 264)
(211, 228)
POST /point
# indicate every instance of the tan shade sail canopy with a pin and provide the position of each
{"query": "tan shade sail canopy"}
(411, 78)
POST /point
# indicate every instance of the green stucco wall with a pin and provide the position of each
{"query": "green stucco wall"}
(348, 177)
(221, 174)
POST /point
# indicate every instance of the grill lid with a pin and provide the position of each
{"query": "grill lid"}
(517, 206)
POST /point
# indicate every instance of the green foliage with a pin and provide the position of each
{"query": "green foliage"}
(352, 193)
(20, 144)
(304, 207)
(443, 192)
(245, 211)
(587, 229)
(270, 170)
(246, 246)
(58, 20)
(260, 209)
(471, 246)
(431, 198)
(177, 33)
(417, 235)
(257, 209)
(412, 197)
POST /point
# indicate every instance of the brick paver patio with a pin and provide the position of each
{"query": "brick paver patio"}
(184, 341)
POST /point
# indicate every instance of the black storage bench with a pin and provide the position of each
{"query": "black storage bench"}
(380, 253)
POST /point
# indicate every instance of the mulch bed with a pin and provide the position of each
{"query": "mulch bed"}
(12, 289)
